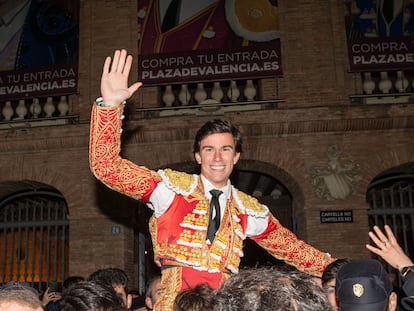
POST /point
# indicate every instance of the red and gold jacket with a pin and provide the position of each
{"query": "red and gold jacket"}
(179, 232)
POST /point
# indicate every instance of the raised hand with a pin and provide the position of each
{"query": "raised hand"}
(50, 296)
(114, 81)
(388, 248)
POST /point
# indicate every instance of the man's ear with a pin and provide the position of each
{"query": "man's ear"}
(197, 157)
(392, 302)
(148, 302)
(129, 301)
(236, 158)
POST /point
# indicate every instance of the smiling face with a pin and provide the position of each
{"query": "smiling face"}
(217, 157)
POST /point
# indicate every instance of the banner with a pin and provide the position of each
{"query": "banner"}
(38, 48)
(196, 41)
(38, 82)
(379, 35)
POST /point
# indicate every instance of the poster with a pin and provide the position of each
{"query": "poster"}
(38, 48)
(380, 34)
(181, 41)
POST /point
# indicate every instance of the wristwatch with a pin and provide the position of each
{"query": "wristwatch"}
(405, 270)
(100, 102)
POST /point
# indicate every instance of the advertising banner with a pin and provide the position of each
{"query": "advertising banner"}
(380, 34)
(181, 41)
(38, 48)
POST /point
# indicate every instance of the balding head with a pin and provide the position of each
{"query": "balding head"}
(19, 300)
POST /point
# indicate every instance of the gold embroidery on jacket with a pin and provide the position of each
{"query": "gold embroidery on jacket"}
(191, 247)
(105, 162)
(180, 180)
(251, 205)
(171, 284)
(283, 244)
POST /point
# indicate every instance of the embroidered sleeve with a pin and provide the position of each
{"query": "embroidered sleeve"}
(104, 159)
(283, 244)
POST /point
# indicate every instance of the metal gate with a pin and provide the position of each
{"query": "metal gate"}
(33, 234)
(391, 201)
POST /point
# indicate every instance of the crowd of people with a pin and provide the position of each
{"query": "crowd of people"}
(198, 226)
(345, 285)
(104, 290)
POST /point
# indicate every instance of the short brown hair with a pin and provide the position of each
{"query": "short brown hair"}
(199, 298)
(214, 127)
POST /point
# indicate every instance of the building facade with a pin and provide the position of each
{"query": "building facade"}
(314, 130)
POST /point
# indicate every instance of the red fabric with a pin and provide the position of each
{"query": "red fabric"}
(168, 224)
(270, 227)
(192, 277)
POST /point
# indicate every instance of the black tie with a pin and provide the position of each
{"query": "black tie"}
(214, 223)
(171, 16)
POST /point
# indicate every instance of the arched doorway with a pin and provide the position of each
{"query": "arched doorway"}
(390, 196)
(34, 233)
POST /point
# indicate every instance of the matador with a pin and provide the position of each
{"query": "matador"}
(181, 201)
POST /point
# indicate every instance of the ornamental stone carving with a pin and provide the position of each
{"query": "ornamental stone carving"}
(338, 180)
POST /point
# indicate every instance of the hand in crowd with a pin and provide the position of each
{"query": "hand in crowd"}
(388, 248)
(50, 296)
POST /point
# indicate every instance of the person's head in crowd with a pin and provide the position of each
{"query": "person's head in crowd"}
(90, 296)
(153, 291)
(329, 280)
(116, 278)
(199, 298)
(72, 280)
(364, 285)
(270, 289)
(19, 298)
(51, 298)
(19, 285)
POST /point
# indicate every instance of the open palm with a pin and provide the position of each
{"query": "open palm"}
(114, 81)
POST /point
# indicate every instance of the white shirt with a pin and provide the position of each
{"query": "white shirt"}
(222, 198)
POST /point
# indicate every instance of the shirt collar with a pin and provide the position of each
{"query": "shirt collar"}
(208, 186)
